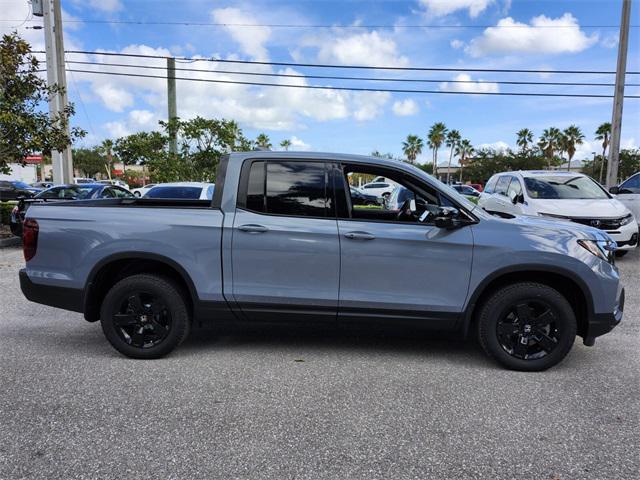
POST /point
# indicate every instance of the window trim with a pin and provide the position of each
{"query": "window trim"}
(243, 186)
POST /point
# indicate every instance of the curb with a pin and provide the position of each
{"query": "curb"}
(10, 242)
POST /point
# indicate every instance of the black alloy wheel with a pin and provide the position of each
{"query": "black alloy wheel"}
(143, 320)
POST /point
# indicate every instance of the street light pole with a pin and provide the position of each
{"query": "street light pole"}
(616, 120)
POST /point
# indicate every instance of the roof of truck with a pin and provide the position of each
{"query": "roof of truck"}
(345, 157)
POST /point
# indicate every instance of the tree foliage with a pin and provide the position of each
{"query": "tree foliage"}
(89, 161)
(25, 126)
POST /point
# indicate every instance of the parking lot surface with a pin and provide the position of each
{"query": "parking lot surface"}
(299, 404)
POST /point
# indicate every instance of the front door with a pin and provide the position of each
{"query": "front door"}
(398, 268)
(285, 246)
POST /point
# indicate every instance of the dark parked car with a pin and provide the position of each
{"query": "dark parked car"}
(359, 198)
(42, 185)
(12, 190)
(85, 191)
(467, 190)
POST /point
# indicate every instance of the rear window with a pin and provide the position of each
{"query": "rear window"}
(178, 192)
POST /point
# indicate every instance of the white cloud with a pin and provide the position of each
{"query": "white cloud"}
(610, 41)
(142, 119)
(251, 40)
(367, 48)
(457, 44)
(107, 6)
(541, 36)
(368, 105)
(441, 8)
(114, 98)
(116, 129)
(298, 144)
(498, 146)
(469, 85)
(405, 108)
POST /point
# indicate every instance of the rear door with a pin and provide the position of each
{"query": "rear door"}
(285, 247)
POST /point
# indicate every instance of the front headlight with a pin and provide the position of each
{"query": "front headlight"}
(602, 249)
(626, 220)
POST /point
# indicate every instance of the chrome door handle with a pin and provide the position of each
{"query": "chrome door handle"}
(253, 228)
(359, 236)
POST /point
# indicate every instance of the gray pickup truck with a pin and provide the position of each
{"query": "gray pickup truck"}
(282, 241)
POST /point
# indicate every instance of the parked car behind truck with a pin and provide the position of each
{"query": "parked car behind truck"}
(282, 242)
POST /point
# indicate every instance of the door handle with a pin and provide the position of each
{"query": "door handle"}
(359, 235)
(253, 228)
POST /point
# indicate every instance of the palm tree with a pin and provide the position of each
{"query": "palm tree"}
(412, 147)
(525, 137)
(106, 149)
(435, 138)
(263, 142)
(550, 142)
(572, 136)
(286, 143)
(464, 150)
(603, 133)
(451, 140)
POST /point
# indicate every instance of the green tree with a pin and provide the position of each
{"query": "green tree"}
(151, 150)
(89, 161)
(451, 140)
(549, 143)
(263, 142)
(572, 136)
(412, 147)
(25, 126)
(603, 133)
(464, 150)
(525, 137)
(435, 137)
(286, 143)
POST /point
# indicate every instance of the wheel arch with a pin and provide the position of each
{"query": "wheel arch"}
(111, 269)
(570, 285)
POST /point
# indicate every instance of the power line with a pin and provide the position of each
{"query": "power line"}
(355, 89)
(84, 109)
(319, 26)
(361, 67)
(337, 77)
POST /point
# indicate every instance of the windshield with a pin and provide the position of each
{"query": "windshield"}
(461, 199)
(563, 187)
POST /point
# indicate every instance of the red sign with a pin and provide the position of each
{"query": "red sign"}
(116, 172)
(33, 159)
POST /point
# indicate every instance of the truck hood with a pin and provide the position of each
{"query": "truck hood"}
(586, 208)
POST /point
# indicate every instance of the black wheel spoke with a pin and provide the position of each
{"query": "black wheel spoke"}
(159, 330)
(524, 312)
(545, 318)
(520, 349)
(507, 329)
(135, 304)
(125, 319)
(137, 337)
(546, 342)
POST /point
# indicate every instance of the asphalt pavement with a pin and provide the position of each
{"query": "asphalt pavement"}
(308, 405)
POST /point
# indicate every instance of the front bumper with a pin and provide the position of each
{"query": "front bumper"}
(602, 323)
(626, 236)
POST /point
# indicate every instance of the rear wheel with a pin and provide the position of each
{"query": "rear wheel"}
(527, 326)
(137, 194)
(145, 316)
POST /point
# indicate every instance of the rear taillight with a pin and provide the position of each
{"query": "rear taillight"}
(29, 238)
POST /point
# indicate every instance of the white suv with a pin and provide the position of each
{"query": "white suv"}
(628, 193)
(567, 196)
(379, 189)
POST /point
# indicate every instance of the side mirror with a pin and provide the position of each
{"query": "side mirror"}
(614, 190)
(446, 217)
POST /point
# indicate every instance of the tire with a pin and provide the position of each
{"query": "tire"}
(137, 194)
(166, 321)
(621, 253)
(549, 327)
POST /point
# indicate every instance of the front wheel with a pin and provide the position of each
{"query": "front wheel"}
(527, 326)
(137, 194)
(621, 253)
(145, 316)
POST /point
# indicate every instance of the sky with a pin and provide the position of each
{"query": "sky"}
(483, 34)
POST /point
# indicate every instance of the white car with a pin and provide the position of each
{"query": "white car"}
(628, 193)
(567, 196)
(182, 191)
(80, 180)
(119, 183)
(379, 189)
(141, 191)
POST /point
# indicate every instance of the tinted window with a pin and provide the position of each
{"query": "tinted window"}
(563, 187)
(178, 192)
(296, 188)
(632, 184)
(20, 185)
(68, 193)
(491, 184)
(503, 184)
(255, 187)
(119, 192)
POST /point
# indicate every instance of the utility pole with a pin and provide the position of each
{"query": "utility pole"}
(171, 101)
(54, 46)
(618, 99)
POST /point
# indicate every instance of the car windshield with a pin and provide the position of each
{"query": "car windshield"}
(563, 187)
(175, 192)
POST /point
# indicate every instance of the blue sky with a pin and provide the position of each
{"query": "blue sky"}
(502, 37)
